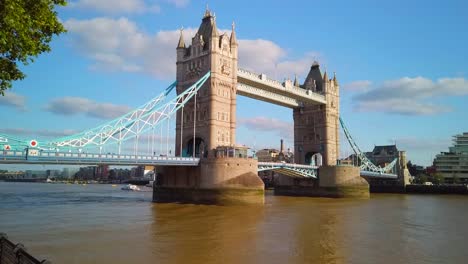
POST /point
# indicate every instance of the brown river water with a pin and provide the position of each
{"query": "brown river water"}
(102, 224)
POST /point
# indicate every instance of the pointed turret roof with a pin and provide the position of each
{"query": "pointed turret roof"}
(325, 76)
(296, 82)
(208, 28)
(233, 34)
(207, 12)
(334, 78)
(314, 76)
(181, 40)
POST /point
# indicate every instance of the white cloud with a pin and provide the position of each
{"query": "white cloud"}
(265, 56)
(358, 86)
(411, 96)
(117, 6)
(76, 105)
(40, 132)
(14, 100)
(119, 45)
(403, 106)
(179, 3)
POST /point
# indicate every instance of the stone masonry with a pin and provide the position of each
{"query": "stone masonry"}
(316, 127)
(216, 100)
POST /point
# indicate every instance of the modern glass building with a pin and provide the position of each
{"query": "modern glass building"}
(453, 165)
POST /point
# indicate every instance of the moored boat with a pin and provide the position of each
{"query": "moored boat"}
(130, 187)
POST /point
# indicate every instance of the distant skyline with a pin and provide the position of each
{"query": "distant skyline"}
(401, 66)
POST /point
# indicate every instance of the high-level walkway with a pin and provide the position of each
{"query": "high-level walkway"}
(260, 87)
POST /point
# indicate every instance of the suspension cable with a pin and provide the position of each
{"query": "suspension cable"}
(120, 142)
(137, 138)
(167, 136)
(365, 162)
(181, 131)
(161, 147)
(136, 145)
(194, 123)
(152, 139)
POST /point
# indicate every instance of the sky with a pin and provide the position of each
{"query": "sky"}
(401, 66)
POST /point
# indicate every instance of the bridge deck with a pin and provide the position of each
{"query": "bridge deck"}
(259, 87)
(65, 158)
(18, 157)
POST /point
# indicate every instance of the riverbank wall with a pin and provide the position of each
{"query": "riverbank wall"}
(11, 253)
(421, 189)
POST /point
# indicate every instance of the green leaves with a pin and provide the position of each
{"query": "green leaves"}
(26, 29)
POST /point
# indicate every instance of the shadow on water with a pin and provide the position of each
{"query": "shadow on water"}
(185, 233)
(284, 230)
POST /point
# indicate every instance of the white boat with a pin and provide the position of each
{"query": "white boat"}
(130, 187)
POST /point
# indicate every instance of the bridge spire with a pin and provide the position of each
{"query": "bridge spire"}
(181, 44)
(233, 34)
(214, 30)
(325, 76)
(296, 82)
(207, 12)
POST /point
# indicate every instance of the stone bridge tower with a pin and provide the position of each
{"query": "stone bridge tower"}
(316, 127)
(215, 118)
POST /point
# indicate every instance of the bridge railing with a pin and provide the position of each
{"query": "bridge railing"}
(289, 165)
(11, 253)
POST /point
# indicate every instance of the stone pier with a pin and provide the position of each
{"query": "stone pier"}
(333, 181)
(215, 181)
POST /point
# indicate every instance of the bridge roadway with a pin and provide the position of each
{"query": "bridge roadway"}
(66, 158)
(258, 86)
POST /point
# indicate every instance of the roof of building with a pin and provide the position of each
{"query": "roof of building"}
(314, 75)
(388, 149)
(270, 150)
(207, 28)
(181, 43)
(233, 37)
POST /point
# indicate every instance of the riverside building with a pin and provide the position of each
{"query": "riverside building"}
(453, 165)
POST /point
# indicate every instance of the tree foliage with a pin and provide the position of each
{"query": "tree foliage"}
(420, 179)
(438, 178)
(26, 29)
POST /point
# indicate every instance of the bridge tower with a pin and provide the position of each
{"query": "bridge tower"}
(215, 110)
(316, 127)
(224, 174)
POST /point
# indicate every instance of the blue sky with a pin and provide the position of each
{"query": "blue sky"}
(401, 65)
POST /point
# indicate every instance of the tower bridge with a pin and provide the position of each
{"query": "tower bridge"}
(208, 165)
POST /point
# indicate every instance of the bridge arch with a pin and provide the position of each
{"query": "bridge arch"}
(200, 147)
(313, 158)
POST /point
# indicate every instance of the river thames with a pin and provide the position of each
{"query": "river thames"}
(103, 224)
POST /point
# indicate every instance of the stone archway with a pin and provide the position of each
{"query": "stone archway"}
(200, 148)
(308, 157)
(313, 158)
(317, 159)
